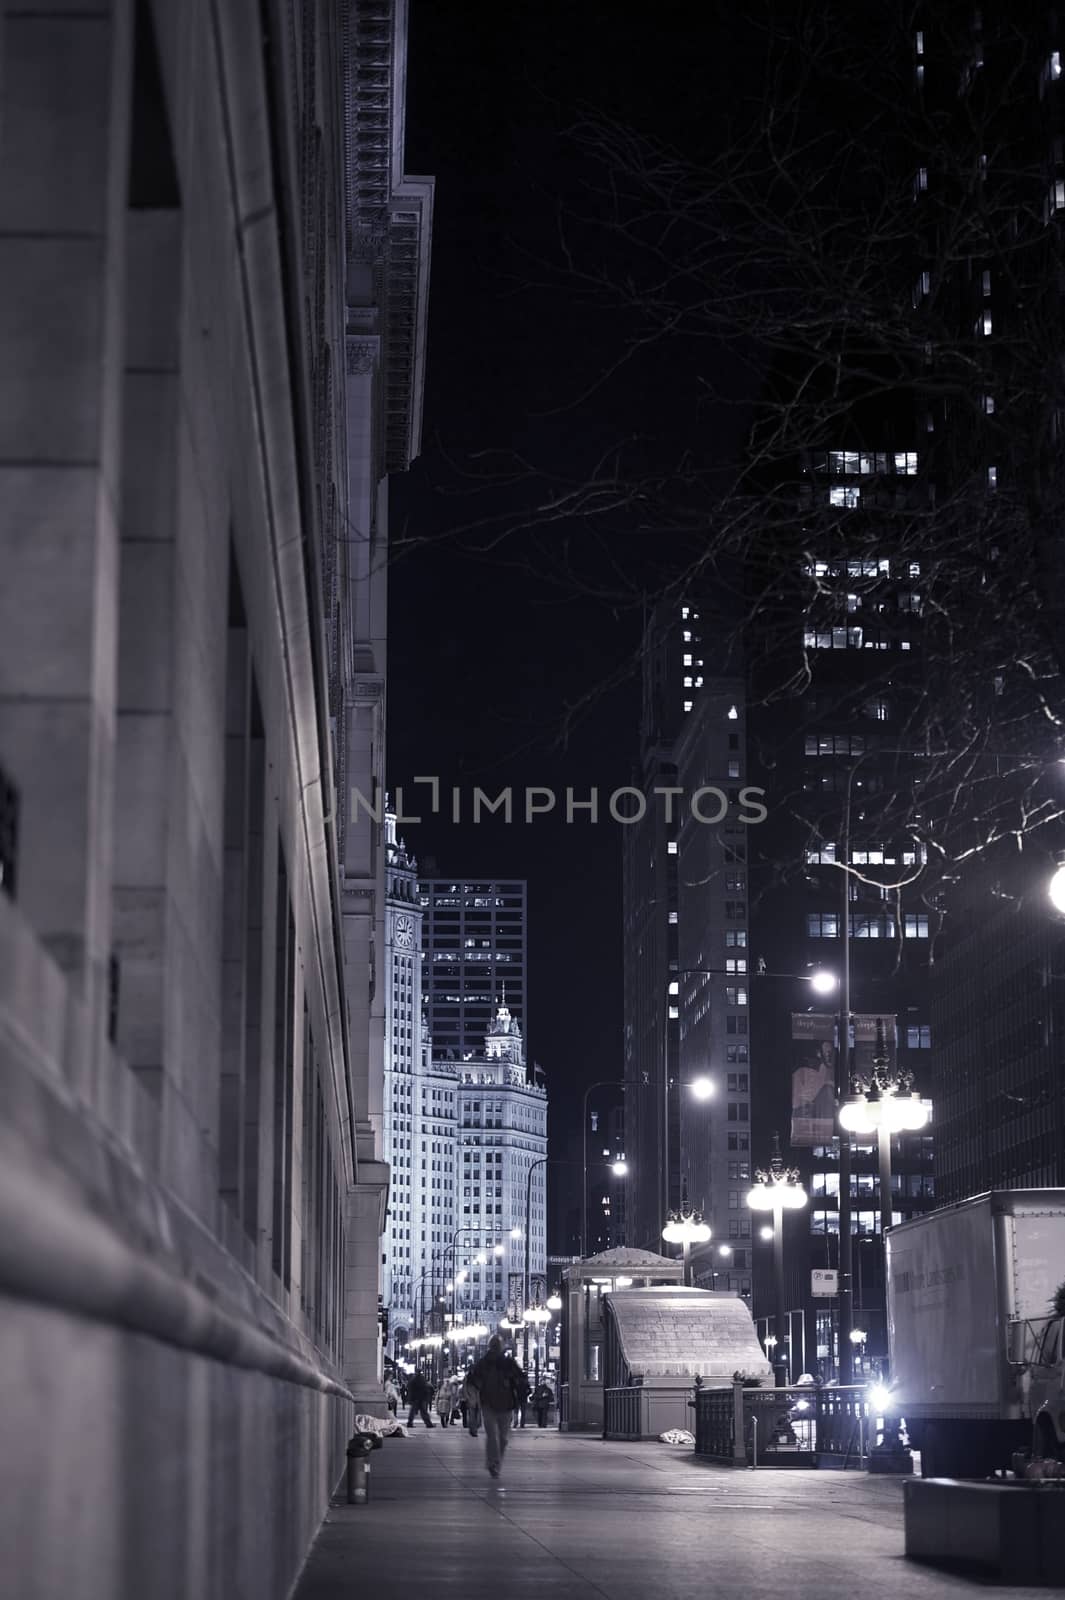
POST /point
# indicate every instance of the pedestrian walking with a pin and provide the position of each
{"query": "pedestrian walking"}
(391, 1396)
(501, 1387)
(419, 1394)
(541, 1403)
(444, 1401)
(471, 1408)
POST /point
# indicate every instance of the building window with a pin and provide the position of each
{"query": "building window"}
(846, 495)
(916, 927)
(822, 925)
(736, 938)
(919, 1037)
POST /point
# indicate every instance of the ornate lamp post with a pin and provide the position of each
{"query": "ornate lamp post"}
(686, 1227)
(537, 1317)
(884, 1103)
(778, 1190)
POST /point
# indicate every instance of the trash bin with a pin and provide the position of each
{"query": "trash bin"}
(359, 1468)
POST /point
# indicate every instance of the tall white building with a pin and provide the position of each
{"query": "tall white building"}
(420, 1113)
(502, 1134)
(461, 1133)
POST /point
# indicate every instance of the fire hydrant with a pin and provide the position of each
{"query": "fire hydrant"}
(359, 1469)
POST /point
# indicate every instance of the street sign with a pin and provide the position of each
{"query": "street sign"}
(824, 1280)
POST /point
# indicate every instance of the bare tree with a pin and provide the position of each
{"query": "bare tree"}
(873, 250)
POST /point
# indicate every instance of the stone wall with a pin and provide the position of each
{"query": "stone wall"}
(177, 1128)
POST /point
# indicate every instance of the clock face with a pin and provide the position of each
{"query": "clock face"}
(404, 932)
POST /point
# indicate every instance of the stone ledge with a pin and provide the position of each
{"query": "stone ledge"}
(1011, 1532)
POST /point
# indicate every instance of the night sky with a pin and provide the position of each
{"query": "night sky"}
(486, 655)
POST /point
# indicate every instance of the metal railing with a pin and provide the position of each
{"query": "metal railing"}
(643, 1411)
(621, 1413)
(804, 1426)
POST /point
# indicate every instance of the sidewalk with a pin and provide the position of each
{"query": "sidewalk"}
(576, 1517)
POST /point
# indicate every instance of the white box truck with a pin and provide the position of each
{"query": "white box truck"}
(976, 1352)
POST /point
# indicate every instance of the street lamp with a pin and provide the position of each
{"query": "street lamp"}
(1056, 888)
(686, 1227)
(884, 1103)
(702, 1088)
(858, 1338)
(778, 1190)
(554, 1302)
(537, 1317)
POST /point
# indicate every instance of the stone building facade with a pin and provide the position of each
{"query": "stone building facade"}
(212, 319)
(501, 1188)
(421, 1115)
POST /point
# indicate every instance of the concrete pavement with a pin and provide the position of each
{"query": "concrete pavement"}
(575, 1518)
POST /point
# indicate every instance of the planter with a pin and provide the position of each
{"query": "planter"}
(1008, 1531)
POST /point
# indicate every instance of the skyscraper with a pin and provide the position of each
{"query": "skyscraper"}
(671, 664)
(475, 955)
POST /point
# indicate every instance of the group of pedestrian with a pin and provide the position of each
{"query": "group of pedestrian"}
(494, 1395)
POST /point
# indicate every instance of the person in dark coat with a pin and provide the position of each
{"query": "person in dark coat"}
(501, 1386)
(541, 1403)
(419, 1394)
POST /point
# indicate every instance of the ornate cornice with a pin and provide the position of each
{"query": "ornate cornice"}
(389, 216)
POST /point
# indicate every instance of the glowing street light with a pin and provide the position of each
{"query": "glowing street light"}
(686, 1227)
(554, 1302)
(778, 1190)
(620, 1167)
(1056, 888)
(823, 982)
(702, 1088)
(884, 1103)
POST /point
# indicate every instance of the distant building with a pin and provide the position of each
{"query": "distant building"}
(672, 678)
(502, 1133)
(475, 956)
(710, 993)
(420, 1113)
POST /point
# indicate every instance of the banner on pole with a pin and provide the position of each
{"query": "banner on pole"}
(813, 1078)
(863, 1038)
